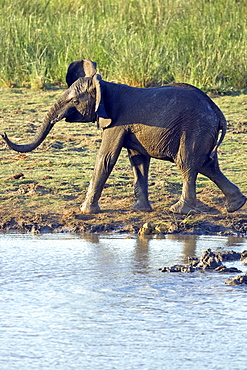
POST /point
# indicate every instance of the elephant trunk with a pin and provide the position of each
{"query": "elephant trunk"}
(49, 121)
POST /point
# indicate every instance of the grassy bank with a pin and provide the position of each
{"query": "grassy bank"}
(53, 179)
(139, 42)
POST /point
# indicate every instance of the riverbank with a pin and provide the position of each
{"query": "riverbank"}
(111, 220)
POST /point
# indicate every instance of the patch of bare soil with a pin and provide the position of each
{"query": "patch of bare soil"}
(117, 217)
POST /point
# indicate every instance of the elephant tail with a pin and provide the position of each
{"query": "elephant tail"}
(222, 128)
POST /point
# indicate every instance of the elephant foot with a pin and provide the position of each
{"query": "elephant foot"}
(141, 206)
(236, 204)
(89, 209)
(183, 208)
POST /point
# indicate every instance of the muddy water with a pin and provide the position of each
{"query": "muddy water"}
(70, 302)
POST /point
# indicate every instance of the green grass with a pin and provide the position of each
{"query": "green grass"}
(139, 42)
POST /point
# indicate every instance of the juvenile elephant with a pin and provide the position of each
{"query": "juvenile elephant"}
(177, 123)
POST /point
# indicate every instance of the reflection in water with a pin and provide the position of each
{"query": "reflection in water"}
(141, 255)
(189, 245)
(90, 237)
(232, 241)
(175, 246)
(143, 244)
(93, 301)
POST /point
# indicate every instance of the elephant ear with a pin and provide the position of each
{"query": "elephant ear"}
(80, 68)
(103, 119)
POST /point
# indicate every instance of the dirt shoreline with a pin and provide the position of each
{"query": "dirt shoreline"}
(122, 221)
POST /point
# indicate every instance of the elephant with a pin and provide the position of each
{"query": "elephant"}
(176, 122)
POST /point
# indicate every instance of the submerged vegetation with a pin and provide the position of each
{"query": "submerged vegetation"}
(139, 42)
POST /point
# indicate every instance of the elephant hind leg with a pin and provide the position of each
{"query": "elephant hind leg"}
(140, 164)
(187, 201)
(235, 199)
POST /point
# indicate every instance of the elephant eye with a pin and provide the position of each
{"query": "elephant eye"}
(75, 101)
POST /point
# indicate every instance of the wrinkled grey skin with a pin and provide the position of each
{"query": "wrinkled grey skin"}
(177, 123)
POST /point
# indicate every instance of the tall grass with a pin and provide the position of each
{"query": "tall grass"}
(139, 42)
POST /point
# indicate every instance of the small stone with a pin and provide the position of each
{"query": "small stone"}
(188, 268)
(243, 257)
(17, 176)
(244, 254)
(173, 227)
(209, 260)
(230, 256)
(46, 229)
(146, 229)
(176, 268)
(35, 230)
(233, 281)
(225, 269)
(165, 269)
(237, 280)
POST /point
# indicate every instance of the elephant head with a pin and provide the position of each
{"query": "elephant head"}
(80, 68)
(82, 102)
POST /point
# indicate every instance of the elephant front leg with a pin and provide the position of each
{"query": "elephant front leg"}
(90, 205)
(140, 164)
(105, 161)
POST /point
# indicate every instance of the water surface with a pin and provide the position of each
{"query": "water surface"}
(71, 302)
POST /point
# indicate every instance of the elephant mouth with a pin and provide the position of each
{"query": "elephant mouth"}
(75, 116)
(84, 120)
